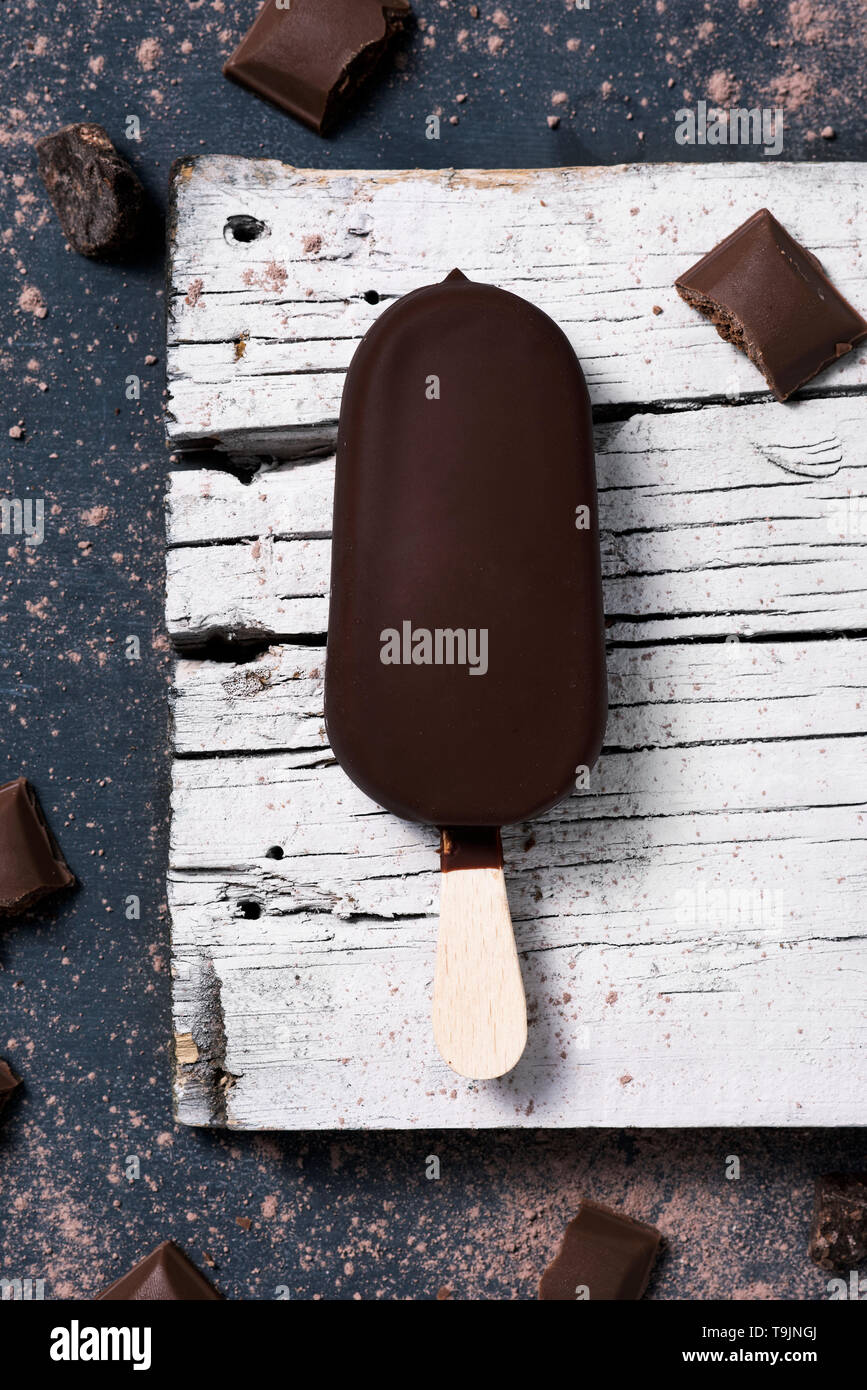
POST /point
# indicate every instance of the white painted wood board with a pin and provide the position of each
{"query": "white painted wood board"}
(691, 927)
(260, 333)
(743, 520)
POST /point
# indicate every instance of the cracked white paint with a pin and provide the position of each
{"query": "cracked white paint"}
(595, 248)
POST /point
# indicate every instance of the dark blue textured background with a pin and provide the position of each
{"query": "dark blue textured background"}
(84, 993)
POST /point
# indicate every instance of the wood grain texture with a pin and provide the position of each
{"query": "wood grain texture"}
(690, 926)
(479, 1013)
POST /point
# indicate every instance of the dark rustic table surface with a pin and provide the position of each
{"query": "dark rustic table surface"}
(84, 989)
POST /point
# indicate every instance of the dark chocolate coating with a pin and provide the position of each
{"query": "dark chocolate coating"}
(97, 196)
(312, 56)
(771, 298)
(603, 1255)
(164, 1275)
(31, 864)
(460, 513)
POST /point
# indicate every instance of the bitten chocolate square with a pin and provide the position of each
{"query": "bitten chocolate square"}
(31, 864)
(769, 296)
(312, 56)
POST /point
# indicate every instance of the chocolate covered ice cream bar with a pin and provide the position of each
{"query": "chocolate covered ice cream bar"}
(465, 681)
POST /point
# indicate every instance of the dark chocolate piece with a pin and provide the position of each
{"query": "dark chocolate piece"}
(603, 1255)
(770, 297)
(838, 1235)
(166, 1274)
(465, 679)
(96, 195)
(9, 1083)
(31, 864)
(312, 56)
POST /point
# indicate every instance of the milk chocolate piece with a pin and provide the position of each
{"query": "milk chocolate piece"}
(603, 1255)
(465, 526)
(9, 1083)
(770, 297)
(166, 1274)
(96, 195)
(311, 57)
(838, 1235)
(31, 864)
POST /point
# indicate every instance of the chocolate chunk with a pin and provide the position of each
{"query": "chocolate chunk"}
(838, 1235)
(31, 864)
(96, 195)
(9, 1083)
(313, 56)
(603, 1255)
(166, 1274)
(770, 297)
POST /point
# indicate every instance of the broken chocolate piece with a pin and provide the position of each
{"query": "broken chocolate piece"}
(603, 1255)
(166, 1274)
(9, 1083)
(771, 298)
(311, 58)
(96, 195)
(838, 1234)
(31, 864)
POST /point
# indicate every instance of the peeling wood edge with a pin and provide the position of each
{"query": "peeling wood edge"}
(201, 1082)
(186, 166)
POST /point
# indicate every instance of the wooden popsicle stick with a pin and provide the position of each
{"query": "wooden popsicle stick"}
(479, 1009)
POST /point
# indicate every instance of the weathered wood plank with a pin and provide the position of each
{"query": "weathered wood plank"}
(661, 697)
(667, 923)
(715, 521)
(261, 332)
(691, 927)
